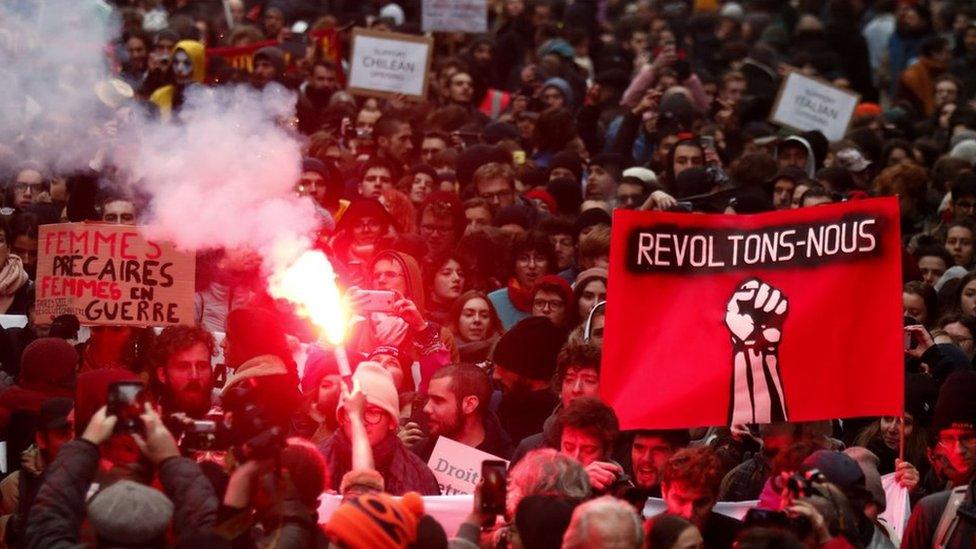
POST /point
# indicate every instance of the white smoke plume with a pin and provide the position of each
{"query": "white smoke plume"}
(52, 54)
(223, 175)
(220, 176)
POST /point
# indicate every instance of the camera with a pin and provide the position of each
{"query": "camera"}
(248, 426)
(805, 484)
(764, 518)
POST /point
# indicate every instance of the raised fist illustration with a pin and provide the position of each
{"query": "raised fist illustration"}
(755, 315)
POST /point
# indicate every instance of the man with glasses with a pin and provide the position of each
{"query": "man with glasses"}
(495, 183)
(401, 469)
(948, 518)
(27, 186)
(551, 299)
(962, 197)
(440, 222)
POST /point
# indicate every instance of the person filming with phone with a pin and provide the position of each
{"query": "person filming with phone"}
(389, 313)
(123, 512)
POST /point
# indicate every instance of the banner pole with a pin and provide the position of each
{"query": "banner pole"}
(901, 438)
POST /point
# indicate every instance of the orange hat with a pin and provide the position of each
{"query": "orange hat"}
(867, 109)
(377, 521)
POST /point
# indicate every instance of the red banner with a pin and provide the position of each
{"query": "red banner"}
(326, 43)
(721, 319)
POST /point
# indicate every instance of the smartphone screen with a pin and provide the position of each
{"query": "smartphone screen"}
(125, 400)
(380, 301)
(493, 487)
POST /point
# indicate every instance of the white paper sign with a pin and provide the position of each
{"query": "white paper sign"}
(455, 16)
(457, 467)
(805, 104)
(385, 63)
(897, 508)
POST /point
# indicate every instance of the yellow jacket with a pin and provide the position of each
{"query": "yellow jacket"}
(163, 97)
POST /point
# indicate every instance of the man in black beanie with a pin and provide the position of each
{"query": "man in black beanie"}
(954, 425)
(525, 360)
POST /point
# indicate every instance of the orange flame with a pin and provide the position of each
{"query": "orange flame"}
(310, 284)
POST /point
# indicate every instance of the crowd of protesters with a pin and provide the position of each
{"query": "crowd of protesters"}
(486, 210)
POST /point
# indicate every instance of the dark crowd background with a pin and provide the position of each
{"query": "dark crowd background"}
(470, 232)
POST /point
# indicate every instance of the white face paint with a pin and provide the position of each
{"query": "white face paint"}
(182, 65)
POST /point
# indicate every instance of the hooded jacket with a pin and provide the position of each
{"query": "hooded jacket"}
(164, 97)
(563, 87)
(811, 166)
(432, 347)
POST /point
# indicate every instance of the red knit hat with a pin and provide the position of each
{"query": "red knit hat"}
(48, 365)
(539, 193)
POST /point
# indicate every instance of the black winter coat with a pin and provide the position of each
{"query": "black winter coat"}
(59, 510)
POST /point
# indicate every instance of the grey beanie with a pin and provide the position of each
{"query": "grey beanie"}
(130, 513)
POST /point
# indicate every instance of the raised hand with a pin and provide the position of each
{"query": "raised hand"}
(755, 314)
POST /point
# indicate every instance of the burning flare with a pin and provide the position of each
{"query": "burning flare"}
(310, 284)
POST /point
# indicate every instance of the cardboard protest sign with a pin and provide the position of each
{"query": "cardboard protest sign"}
(805, 103)
(387, 63)
(793, 315)
(110, 274)
(455, 16)
(456, 466)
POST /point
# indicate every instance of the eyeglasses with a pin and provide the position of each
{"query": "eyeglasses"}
(551, 304)
(386, 275)
(34, 187)
(373, 416)
(368, 224)
(495, 196)
(966, 440)
(526, 260)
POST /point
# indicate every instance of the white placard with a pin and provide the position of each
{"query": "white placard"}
(455, 16)
(898, 508)
(805, 103)
(387, 63)
(457, 467)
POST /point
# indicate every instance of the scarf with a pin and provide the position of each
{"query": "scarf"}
(12, 278)
(402, 471)
(521, 299)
